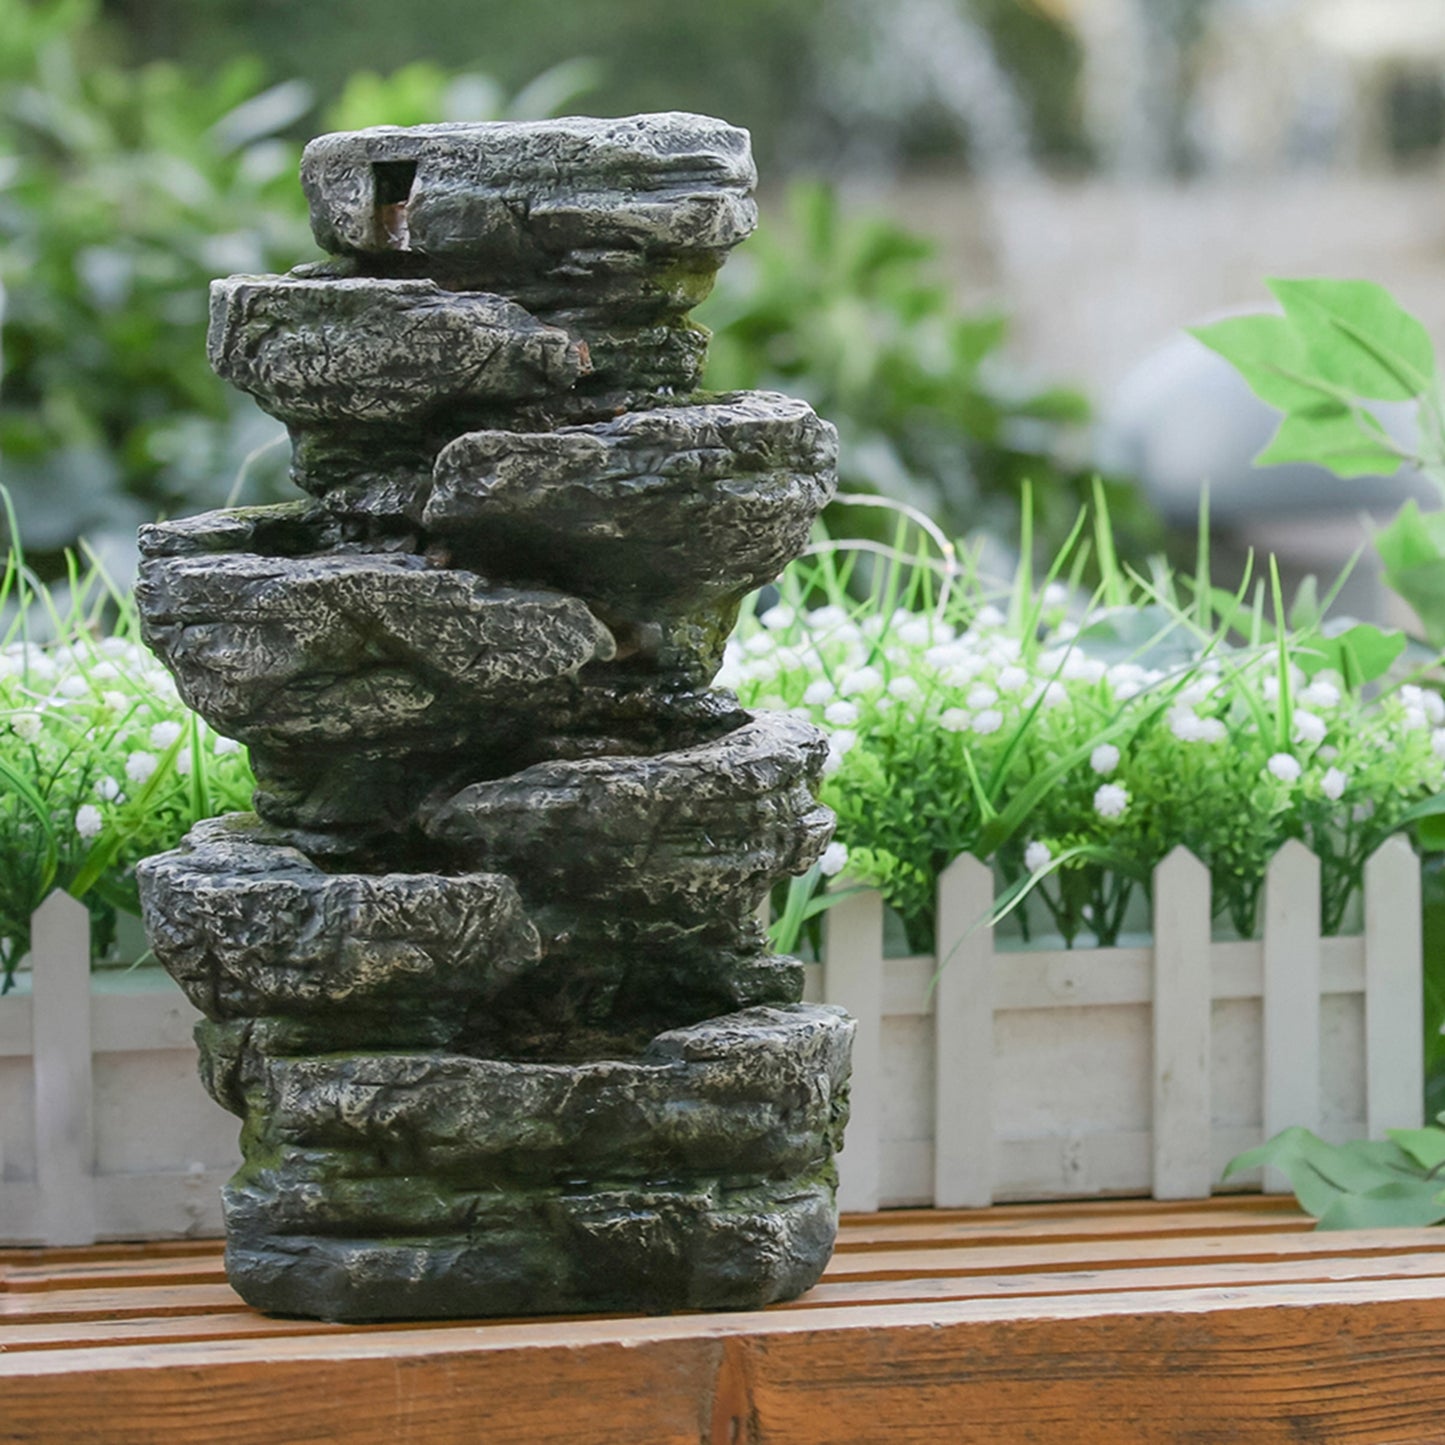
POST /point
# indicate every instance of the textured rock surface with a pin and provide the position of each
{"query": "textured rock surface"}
(672, 506)
(634, 214)
(291, 529)
(686, 834)
(380, 788)
(381, 351)
(742, 1098)
(250, 927)
(487, 986)
(695, 1246)
(354, 648)
(484, 1156)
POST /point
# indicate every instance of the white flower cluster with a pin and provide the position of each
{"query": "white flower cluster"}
(871, 681)
(90, 722)
(854, 675)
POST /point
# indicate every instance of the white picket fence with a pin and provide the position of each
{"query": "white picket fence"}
(989, 1071)
(105, 1131)
(992, 1071)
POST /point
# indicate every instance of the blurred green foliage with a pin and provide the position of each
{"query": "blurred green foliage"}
(1044, 58)
(845, 311)
(765, 64)
(747, 60)
(124, 191)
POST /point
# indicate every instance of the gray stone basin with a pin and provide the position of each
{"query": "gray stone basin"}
(693, 833)
(354, 648)
(486, 1156)
(318, 350)
(667, 507)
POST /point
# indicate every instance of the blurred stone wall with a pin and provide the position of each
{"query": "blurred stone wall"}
(1096, 272)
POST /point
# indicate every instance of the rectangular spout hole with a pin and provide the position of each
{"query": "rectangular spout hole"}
(393, 181)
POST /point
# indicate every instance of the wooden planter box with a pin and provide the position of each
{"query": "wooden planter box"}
(995, 1072)
(105, 1130)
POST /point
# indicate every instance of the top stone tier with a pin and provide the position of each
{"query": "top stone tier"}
(630, 217)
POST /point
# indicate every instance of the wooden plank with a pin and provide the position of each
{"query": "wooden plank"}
(17, 1028)
(853, 946)
(116, 1273)
(647, 1395)
(1028, 978)
(1245, 1374)
(418, 1339)
(141, 1009)
(1291, 997)
(73, 1271)
(1181, 1114)
(908, 985)
(28, 1255)
(26, 1274)
(1343, 1361)
(963, 1037)
(64, 1104)
(175, 1203)
(1342, 964)
(959, 1258)
(236, 1321)
(1142, 1329)
(174, 1328)
(1394, 1066)
(119, 1303)
(200, 1311)
(1135, 1208)
(1213, 1274)
(1171, 1224)
(172, 1203)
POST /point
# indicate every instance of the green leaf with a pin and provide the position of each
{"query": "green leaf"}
(1320, 1173)
(1305, 611)
(1149, 635)
(554, 92)
(974, 337)
(1413, 539)
(263, 115)
(1359, 337)
(1058, 404)
(1358, 651)
(1425, 1146)
(1398, 1204)
(1412, 549)
(1269, 354)
(1424, 589)
(1334, 437)
(1430, 814)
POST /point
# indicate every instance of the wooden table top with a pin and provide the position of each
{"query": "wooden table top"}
(1121, 1321)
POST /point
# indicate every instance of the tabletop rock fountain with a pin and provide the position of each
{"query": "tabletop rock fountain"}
(482, 977)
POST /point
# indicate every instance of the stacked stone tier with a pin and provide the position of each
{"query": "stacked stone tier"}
(484, 979)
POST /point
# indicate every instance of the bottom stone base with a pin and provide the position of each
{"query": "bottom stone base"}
(644, 1248)
(695, 1174)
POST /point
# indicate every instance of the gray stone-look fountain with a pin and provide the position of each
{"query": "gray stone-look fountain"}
(482, 977)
